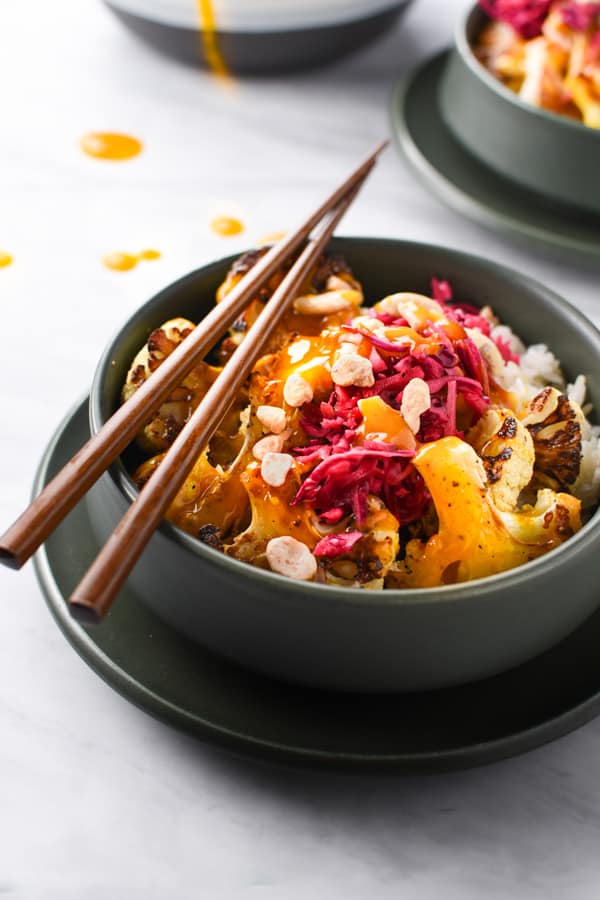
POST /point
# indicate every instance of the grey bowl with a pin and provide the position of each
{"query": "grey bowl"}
(549, 154)
(362, 640)
(262, 52)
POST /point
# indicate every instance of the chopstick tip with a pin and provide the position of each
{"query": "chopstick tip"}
(9, 559)
(83, 613)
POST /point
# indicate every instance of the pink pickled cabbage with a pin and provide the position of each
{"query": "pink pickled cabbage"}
(526, 16)
(580, 16)
(337, 544)
(345, 473)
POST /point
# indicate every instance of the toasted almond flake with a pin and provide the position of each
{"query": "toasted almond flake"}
(290, 557)
(350, 368)
(272, 417)
(348, 347)
(298, 350)
(416, 400)
(275, 467)
(404, 304)
(326, 304)
(367, 323)
(297, 391)
(487, 312)
(273, 443)
(335, 283)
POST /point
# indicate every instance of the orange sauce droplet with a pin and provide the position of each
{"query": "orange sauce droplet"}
(271, 238)
(108, 145)
(226, 226)
(123, 262)
(5, 259)
(208, 30)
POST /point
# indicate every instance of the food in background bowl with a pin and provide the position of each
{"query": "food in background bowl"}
(410, 444)
(553, 157)
(548, 52)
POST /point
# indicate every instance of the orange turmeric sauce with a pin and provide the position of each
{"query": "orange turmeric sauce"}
(226, 226)
(5, 259)
(123, 262)
(111, 146)
(208, 30)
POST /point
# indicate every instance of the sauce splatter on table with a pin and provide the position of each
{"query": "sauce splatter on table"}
(110, 145)
(123, 262)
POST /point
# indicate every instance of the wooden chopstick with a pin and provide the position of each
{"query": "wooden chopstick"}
(94, 595)
(61, 494)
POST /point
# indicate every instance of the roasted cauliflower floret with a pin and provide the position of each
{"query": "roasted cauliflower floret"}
(367, 564)
(555, 424)
(506, 451)
(272, 516)
(329, 296)
(167, 422)
(475, 538)
(209, 495)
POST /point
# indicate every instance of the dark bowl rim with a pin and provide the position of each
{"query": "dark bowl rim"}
(336, 595)
(464, 48)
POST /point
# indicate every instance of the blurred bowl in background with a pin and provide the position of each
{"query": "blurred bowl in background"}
(258, 36)
(550, 154)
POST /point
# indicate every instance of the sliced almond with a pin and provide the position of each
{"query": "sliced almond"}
(350, 368)
(275, 467)
(273, 443)
(416, 400)
(326, 304)
(290, 557)
(297, 391)
(272, 417)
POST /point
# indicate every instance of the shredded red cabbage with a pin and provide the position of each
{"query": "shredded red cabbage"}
(345, 474)
(337, 544)
(345, 480)
(580, 16)
(525, 16)
(441, 290)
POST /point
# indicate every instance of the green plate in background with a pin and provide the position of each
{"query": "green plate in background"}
(466, 185)
(176, 681)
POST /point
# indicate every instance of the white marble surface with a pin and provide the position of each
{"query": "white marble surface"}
(97, 800)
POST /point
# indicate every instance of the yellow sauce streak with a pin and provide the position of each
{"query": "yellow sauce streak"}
(271, 238)
(5, 259)
(210, 43)
(107, 145)
(226, 226)
(123, 262)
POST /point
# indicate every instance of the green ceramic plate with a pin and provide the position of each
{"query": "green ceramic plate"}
(466, 185)
(178, 682)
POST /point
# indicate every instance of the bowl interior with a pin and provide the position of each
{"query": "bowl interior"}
(383, 266)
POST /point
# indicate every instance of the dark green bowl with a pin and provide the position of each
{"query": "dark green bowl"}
(260, 52)
(350, 639)
(547, 153)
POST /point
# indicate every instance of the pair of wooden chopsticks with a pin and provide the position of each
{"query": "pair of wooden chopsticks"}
(94, 595)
